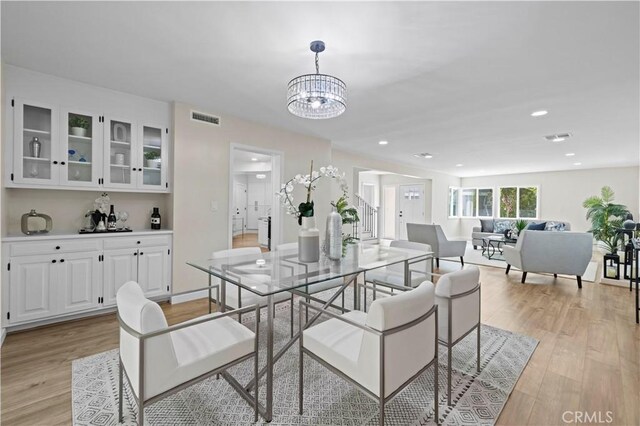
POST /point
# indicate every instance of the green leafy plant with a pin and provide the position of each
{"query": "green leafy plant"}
(151, 155)
(520, 225)
(606, 218)
(77, 121)
(349, 215)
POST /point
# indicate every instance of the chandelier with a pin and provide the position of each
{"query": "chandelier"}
(316, 96)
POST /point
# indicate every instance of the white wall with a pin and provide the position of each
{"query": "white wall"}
(562, 193)
(201, 176)
(67, 208)
(352, 163)
(371, 179)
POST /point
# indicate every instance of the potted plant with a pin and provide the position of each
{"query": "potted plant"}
(520, 226)
(153, 159)
(78, 125)
(606, 218)
(349, 215)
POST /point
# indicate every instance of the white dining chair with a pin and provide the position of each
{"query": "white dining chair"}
(381, 351)
(458, 300)
(158, 360)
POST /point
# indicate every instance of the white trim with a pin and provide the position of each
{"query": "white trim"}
(181, 298)
(2, 336)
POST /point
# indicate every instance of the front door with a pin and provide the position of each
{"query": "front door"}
(411, 206)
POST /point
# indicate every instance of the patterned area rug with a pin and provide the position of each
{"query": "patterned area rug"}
(477, 398)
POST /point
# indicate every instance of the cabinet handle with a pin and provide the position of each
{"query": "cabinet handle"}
(53, 261)
(62, 163)
(141, 253)
(135, 254)
(57, 247)
(138, 242)
(61, 260)
(134, 169)
(55, 162)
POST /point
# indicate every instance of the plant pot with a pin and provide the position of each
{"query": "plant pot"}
(78, 131)
(308, 241)
(154, 164)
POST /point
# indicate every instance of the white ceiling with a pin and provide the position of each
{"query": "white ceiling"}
(457, 79)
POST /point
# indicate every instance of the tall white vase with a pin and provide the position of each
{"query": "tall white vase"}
(334, 235)
(308, 241)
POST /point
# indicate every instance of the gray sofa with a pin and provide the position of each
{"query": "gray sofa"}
(488, 227)
(552, 252)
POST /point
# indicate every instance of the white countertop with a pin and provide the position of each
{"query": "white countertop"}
(67, 235)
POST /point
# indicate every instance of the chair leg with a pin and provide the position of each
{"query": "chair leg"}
(475, 247)
(462, 260)
(449, 349)
(555, 275)
(381, 411)
(140, 412)
(300, 379)
(121, 385)
(508, 269)
(343, 311)
(579, 278)
(478, 355)
(292, 315)
(437, 262)
(524, 277)
(436, 399)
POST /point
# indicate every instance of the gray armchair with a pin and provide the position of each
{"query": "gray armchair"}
(434, 236)
(552, 252)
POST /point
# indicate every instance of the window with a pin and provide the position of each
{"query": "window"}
(453, 202)
(519, 202)
(470, 202)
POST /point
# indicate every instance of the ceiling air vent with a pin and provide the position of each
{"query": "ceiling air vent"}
(558, 137)
(205, 118)
(423, 155)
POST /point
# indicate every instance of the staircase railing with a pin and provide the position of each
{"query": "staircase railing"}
(367, 228)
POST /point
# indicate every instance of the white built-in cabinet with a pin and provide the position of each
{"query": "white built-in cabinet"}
(51, 279)
(113, 152)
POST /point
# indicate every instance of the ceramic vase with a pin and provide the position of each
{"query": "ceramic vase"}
(308, 241)
(334, 235)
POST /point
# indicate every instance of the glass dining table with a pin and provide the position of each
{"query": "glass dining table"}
(272, 274)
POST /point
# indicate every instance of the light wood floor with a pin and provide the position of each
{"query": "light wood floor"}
(588, 358)
(247, 240)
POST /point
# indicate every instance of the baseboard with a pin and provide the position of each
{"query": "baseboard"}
(181, 298)
(4, 334)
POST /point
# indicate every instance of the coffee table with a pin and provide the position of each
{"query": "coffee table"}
(492, 246)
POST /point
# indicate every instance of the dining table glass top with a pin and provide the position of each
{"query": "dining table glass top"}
(278, 271)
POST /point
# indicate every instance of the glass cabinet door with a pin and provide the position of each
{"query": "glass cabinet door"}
(36, 154)
(153, 160)
(120, 156)
(81, 137)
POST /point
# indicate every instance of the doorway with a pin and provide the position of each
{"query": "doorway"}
(411, 206)
(254, 210)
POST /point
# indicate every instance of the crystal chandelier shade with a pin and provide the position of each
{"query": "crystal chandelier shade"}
(317, 96)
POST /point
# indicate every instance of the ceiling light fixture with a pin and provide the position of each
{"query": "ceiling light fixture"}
(539, 113)
(254, 159)
(570, 154)
(383, 143)
(261, 176)
(317, 96)
(459, 165)
(423, 155)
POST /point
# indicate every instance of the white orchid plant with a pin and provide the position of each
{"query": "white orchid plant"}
(306, 208)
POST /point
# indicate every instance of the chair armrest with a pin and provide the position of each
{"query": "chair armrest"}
(512, 256)
(195, 290)
(476, 229)
(188, 323)
(336, 316)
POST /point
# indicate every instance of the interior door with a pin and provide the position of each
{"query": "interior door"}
(80, 281)
(120, 266)
(32, 291)
(411, 206)
(153, 270)
(240, 207)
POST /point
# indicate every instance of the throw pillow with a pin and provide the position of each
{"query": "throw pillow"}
(555, 226)
(501, 225)
(537, 226)
(486, 225)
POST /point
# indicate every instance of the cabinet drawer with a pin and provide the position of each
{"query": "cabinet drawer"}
(120, 243)
(54, 247)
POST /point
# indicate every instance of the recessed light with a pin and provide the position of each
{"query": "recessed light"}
(570, 154)
(254, 159)
(459, 165)
(557, 139)
(261, 176)
(383, 143)
(423, 155)
(539, 113)
(577, 164)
